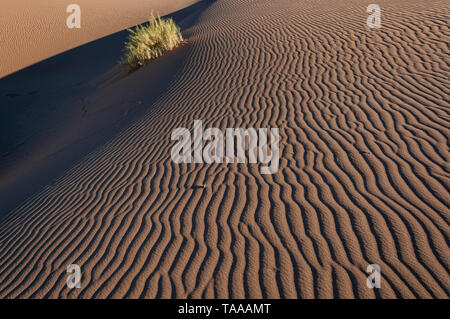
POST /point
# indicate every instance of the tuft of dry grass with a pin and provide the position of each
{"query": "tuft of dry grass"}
(148, 42)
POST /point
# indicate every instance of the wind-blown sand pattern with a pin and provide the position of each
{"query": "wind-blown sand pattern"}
(364, 166)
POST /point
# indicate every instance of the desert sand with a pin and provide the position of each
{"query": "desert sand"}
(35, 30)
(364, 159)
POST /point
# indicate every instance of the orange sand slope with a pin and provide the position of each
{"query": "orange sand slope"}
(31, 31)
(364, 165)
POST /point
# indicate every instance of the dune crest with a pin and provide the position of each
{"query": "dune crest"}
(23, 21)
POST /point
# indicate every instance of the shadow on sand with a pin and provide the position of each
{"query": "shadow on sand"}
(57, 111)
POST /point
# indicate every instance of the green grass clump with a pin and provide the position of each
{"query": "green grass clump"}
(148, 42)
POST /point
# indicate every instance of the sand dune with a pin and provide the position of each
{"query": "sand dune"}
(364, 164)
(31, 31)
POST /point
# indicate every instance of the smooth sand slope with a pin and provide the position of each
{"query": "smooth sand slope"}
(31, 31)
(364, 170)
